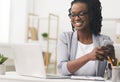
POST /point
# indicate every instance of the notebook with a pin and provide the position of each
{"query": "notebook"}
(94, 78)
(29, 61)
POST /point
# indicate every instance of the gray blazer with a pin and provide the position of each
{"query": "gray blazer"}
(67, 48)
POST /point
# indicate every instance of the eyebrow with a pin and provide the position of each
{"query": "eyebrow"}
(80, 11)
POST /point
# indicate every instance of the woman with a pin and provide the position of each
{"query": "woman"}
(80, 51)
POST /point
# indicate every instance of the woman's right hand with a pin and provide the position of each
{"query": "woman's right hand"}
(96, 54)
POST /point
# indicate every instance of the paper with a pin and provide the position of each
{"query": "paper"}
(88, 78)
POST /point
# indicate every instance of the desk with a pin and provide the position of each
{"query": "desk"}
(13, 77)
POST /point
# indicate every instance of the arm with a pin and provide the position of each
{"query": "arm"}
(67, 67)
(74, 65)
(63, 56)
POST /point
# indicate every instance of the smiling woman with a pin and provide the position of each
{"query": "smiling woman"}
(81, 48)
(4, 20)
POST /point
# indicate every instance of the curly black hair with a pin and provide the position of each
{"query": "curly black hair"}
(94, 10)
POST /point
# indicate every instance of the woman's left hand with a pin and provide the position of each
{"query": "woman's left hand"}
(110, 51)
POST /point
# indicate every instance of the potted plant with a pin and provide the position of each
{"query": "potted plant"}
(46, 55)
(45, 35)
(2, 66)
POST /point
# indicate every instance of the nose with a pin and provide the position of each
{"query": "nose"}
(77, 17)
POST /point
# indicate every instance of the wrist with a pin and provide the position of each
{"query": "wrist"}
(88, 57)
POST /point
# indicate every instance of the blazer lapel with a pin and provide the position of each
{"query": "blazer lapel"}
(73, 46)
(96, 42)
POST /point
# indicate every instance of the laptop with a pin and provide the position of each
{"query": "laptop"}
(29, 61)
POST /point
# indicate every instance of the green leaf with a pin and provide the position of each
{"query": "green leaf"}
(2, 58)
(45, 35)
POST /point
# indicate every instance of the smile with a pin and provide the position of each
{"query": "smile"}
(78, 23)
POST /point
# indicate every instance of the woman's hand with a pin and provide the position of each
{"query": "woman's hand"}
(97, 53)
(109, 51)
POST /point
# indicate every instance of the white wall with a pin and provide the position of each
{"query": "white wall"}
(18, 21)
(58, 7)
(4, 20)
(108, 28)
(110, 8)
(111, 15)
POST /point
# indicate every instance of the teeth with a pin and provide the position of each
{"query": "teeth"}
(78, 23)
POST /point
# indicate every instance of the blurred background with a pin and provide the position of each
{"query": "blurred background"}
(31, 21)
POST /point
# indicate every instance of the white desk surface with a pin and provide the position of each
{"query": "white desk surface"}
(13, 77)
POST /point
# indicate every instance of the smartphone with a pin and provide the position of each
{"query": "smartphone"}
(107, 42)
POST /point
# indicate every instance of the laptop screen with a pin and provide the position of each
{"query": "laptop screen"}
(29, 59)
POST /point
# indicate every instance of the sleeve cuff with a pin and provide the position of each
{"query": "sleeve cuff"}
(65, 70)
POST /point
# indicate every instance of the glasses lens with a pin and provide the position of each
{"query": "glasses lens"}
(83, 13)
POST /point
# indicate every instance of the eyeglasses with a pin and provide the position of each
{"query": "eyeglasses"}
(71, 15)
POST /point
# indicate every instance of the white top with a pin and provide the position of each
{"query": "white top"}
(89, 67)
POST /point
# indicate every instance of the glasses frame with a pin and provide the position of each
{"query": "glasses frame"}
(78, 15)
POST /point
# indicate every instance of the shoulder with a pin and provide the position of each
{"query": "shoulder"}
(66, 34)
(104, 37)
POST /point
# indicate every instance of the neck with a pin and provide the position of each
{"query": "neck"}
(85, 37)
